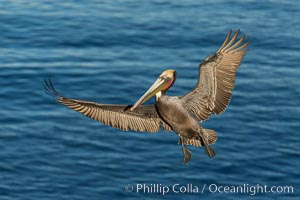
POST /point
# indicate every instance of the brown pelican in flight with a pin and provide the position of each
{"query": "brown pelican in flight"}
(181, 114)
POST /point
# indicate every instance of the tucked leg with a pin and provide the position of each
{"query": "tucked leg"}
(204, 136)
(186, 153)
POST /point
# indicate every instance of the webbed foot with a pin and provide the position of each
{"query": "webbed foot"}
(186, 155)
(186, 152)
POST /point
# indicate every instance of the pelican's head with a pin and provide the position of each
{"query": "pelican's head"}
(162, 84)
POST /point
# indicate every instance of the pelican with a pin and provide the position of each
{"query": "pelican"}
(181, 114)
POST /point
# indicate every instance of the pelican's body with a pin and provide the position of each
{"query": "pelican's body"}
(172, 111)
(182, 122)
(182, 114)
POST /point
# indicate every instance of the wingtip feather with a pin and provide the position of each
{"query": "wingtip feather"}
(226, 40)
(50, 90)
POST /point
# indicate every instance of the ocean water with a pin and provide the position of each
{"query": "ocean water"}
(111, 52)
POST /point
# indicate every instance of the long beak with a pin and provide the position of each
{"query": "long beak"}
(157, 86)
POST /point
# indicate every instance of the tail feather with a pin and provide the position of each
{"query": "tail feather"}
(212, 138)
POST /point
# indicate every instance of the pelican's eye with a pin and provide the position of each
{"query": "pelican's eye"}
(163, 77)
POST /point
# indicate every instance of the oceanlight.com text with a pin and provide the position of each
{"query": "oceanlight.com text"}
(247, 189)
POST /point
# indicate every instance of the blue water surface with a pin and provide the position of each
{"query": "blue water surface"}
(111, 52)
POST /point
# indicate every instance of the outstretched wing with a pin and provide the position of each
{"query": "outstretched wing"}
(216, 79)
(143, 119)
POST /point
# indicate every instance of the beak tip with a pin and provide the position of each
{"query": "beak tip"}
(132, 108)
